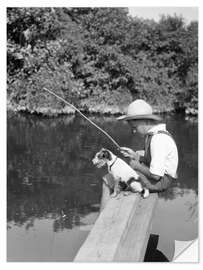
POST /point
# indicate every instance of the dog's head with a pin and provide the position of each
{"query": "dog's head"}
(102, 157)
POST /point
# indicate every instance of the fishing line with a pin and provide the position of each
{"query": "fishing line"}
(90, 121)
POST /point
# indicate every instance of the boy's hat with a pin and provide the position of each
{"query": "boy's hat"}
(139, 109)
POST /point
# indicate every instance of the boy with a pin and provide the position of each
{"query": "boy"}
(158, 163)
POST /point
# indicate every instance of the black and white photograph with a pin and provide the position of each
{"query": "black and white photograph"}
(102, 133)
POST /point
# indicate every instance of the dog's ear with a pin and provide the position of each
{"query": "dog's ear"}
(106, 154)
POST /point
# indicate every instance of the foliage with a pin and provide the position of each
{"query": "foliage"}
(91, 55)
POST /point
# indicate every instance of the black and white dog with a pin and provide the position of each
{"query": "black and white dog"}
(126, 179)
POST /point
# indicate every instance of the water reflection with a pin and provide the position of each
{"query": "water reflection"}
(52, 184)
(53, 201)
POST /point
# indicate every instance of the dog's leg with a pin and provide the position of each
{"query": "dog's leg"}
(116, 189)
(115, 192)
(137, 186)
(145, 193)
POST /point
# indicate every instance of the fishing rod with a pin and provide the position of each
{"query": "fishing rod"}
(90, 121)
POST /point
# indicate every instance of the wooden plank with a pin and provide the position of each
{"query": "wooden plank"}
(121, 231)
(134, 241)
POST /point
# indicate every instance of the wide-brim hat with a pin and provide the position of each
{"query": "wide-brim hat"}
(139, 109)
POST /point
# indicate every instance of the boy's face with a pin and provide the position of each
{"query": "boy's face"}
(138, 126)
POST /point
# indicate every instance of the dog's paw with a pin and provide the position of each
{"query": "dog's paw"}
(126, 193)
(113, 195)
(145, 193)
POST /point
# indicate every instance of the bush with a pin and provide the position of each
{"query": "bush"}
(96, 54)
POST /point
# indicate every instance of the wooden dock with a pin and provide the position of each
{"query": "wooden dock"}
(122, 230)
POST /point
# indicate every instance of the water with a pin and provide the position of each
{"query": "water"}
(54, 191)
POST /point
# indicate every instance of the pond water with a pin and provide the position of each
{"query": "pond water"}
(54, 191)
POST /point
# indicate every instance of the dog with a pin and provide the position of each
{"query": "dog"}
(126, 179)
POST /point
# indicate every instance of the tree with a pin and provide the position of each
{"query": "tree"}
(88, 52)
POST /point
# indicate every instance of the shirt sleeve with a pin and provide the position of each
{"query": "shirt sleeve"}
(158, 154)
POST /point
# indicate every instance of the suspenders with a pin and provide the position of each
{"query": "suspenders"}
(147, 156)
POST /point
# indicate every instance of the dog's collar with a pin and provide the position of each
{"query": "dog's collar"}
(110, 166)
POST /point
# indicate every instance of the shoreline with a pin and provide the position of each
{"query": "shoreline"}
(110, 111)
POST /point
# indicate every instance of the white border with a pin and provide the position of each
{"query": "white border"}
(3, 141)
(104, 3)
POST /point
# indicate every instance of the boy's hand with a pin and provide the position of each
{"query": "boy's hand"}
(128, 152)
(140, 153)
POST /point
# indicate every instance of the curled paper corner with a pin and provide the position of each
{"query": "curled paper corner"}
(186, 251)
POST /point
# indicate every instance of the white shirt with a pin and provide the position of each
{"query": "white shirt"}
(164, 153)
